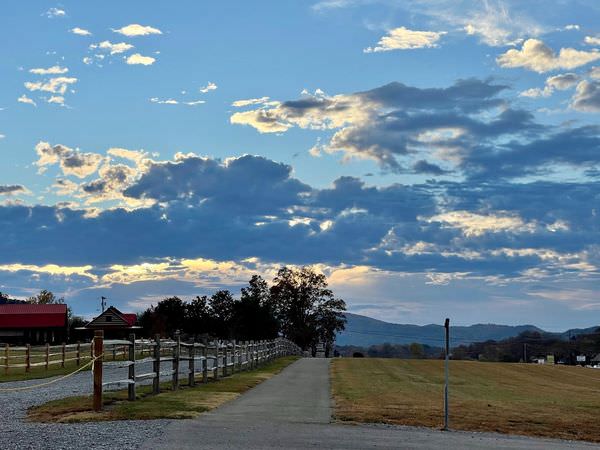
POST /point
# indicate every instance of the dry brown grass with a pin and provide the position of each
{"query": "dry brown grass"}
(552, 401)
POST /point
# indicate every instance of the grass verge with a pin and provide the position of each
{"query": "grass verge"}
(185, 403)
(38, 372)
(550, 401)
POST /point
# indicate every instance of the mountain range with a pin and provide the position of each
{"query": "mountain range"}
(365, 331)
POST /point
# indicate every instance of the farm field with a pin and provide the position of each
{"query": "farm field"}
(535, 400)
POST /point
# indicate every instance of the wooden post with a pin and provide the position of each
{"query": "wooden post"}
(64, 350)
(6, 355)
(131, 386)
(78, 355)
(225, 357)
(28, 358)
(156, 380)
(192, 366)
(205, 360)
(176, 351)
(216, 360)
(97, 368)
(47, 355)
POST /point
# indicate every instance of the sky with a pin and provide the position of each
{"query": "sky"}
(433, 158)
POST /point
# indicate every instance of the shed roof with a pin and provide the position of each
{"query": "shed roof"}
(28, 315)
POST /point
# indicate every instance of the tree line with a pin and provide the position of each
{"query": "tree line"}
(531, 345)
(298, 305)
(414, 350)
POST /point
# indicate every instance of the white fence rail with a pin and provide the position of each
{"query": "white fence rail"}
(213, 359)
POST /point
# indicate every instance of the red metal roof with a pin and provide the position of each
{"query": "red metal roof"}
(27, 315)
(131, 318)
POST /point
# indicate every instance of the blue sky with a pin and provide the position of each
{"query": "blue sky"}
(434, 158)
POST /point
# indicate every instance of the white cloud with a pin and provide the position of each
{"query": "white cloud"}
(572, 27)
(209, 87)
(473, 224)
(54, 70)
(595, 73)
(55, 12)
(194, 103)
(169, 101)
(87, 60)
(58, 99)
(250, 101)
(2, 136)
(51, 269)
(492, 21)
(27, 100)
(80, 31)
(404, 39)
(120, 47)
(537, 56)
(557, 82)
(56, 85)
(136, 29)
(136, 58)
(72, 161)
(592, 40)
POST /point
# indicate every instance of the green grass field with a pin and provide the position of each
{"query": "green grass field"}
(187, 402)
(552, 401)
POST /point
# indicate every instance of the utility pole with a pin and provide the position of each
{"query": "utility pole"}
(525, 352)
(447, 327)
(103, 303)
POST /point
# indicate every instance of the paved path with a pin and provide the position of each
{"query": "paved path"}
(292, 411)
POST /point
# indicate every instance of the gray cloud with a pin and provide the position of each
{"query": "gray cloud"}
(587, 96)
(9, 189)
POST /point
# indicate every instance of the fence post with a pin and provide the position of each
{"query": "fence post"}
(6, 354)
(243, 351)
(47, 355)
(191, 365)
(131, 386)
(64, 349)
(225, 352)
(156, 364)
(176, 351)
(216, 360)
(97, 368)
(28, 358)
(78, 355)
(205, 362)
(233, 356)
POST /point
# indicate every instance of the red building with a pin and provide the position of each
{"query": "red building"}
(32, 323)
(114, 323)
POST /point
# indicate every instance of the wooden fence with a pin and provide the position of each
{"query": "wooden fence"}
(24, 358)
(213, 359)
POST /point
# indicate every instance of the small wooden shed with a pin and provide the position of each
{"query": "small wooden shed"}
(114, 323)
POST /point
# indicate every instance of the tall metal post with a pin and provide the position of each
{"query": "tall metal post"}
(447, 327)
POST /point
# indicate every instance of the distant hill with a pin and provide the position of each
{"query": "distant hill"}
(364, 331)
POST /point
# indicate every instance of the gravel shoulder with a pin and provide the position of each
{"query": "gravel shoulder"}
(17, 433)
